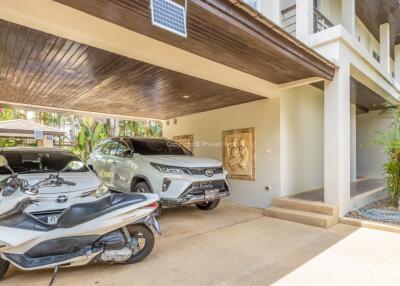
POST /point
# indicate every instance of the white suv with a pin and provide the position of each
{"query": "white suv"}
(160, 166)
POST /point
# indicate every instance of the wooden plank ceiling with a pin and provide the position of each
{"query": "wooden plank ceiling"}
(224, 31)
(37, 68)
(364, 98)
(361, 96)
(374, 13)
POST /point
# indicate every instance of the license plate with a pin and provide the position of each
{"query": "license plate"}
(53, 219)
(210, 195)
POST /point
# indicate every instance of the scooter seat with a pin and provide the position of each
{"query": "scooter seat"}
(80, 213)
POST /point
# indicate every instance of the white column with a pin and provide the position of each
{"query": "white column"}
(337, 139)
(271, 9)
(353, 142)
(349, 15)
(275, 14)
(397, 62)
(384, 35)
(304, 19)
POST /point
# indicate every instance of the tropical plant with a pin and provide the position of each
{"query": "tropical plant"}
(49, 118)
(10, 114)
(90, 132)
(390, 140)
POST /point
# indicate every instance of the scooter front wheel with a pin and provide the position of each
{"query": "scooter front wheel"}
(3, 267)
(145, 238)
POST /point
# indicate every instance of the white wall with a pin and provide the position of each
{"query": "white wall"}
(302, 140)
(207, 128)
(289, 142)
(370, 157)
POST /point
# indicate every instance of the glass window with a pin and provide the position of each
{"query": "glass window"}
(122, 148)
(38, 161)
(109, 147)
(112, 148)
(158, 147)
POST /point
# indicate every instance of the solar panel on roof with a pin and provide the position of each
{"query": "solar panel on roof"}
(169, 15)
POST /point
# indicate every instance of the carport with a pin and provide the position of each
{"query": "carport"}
(106, 59)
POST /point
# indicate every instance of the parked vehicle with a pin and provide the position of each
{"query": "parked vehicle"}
(113, 229)
(36, 164)
(160, 166)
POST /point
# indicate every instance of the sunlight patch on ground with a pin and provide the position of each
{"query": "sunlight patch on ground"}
(365, 257)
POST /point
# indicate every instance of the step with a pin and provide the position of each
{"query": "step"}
(308, 218)
(307, 206)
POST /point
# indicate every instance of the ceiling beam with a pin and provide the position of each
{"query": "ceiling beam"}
(298, 83)
(32, 107)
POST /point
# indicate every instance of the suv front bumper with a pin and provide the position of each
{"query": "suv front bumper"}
(195, 193)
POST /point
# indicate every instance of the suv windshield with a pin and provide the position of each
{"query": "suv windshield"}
(29, 161)
(158, 147)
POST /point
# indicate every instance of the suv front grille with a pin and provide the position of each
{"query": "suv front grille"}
(202, 171)
(198, 188)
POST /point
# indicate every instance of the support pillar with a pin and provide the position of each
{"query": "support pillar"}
(397, 63)
(337, 138)
(384, 33)
(349, 16)
(353, 142)
(272, 10)
(304, 19)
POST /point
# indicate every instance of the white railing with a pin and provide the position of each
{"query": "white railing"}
(289, 20)
(321, 22)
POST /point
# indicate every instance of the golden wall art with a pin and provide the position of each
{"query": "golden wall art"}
(185, 140)
(238, 153)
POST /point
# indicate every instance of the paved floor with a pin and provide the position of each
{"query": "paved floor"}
(238, 246)
(356, 188)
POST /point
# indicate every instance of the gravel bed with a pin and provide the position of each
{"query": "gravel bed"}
(383, 204)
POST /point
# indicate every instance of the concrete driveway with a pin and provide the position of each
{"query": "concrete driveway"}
(234, 245)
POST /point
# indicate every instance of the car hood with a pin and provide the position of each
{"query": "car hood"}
(84, 181)
(182, 161)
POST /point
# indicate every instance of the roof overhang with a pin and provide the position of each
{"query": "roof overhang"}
(232, 55)
(225, 31)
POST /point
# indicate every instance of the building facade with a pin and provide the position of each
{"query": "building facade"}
(318, 135)
(311, 78)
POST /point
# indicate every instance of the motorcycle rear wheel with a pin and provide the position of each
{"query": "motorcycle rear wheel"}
(144, 234)
(3, 267)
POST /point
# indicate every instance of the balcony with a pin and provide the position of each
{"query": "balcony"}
(289, 20)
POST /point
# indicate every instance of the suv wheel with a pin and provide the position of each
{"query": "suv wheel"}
(207, 206)
(143, 187)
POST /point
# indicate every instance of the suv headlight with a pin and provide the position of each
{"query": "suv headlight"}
(169, 169)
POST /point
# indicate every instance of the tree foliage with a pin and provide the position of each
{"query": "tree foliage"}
(390, 140)
(91, 131)
(83, 132)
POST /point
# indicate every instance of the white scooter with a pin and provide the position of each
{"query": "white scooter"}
(113, 229)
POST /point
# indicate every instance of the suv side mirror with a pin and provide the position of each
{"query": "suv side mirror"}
(127, 153)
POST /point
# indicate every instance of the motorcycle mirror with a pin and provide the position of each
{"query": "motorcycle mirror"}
(73, 166)
(3, 161)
